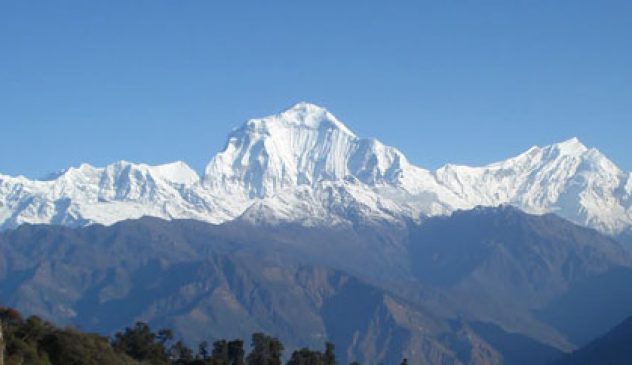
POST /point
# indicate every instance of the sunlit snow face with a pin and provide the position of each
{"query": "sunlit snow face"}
(306, 160)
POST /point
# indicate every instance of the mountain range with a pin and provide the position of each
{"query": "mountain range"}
(305, 166)
(301, 229)
(484, 286)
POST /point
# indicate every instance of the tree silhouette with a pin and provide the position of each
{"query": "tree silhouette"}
(329, 358)
(142, 344)
(220, 353)
(203, 351)
(265, 350)
(306, 356)
(236, 352)
(180, 353)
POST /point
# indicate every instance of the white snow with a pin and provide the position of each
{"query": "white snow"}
(304, 165)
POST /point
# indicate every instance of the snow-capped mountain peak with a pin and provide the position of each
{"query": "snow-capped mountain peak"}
(571, 147)
(305, 165)
(308, 115)
(303, 145)
(176, 172)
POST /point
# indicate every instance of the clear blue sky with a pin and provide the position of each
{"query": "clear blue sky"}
(445, 81)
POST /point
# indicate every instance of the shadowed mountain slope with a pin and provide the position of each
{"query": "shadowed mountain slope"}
(504, 266)
(613, 348)
(472, 288)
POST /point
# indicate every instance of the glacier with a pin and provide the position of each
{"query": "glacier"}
(305, 166)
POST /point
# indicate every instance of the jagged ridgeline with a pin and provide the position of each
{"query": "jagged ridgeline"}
(305, 166)
(301, 229)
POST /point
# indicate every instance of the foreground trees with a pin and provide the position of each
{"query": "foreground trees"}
(33, 341)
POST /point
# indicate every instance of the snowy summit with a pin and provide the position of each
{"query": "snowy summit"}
(304, 165)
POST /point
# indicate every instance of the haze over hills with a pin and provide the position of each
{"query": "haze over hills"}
(305, 166)
(486, 286)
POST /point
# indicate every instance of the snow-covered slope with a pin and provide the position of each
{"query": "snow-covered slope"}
(305, 149)
(304, 165)
(306, 145)
(567, 178)
(123, 190)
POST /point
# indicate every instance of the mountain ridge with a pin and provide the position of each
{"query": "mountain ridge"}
(485, 286)
(611, 348)
(305, 165)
